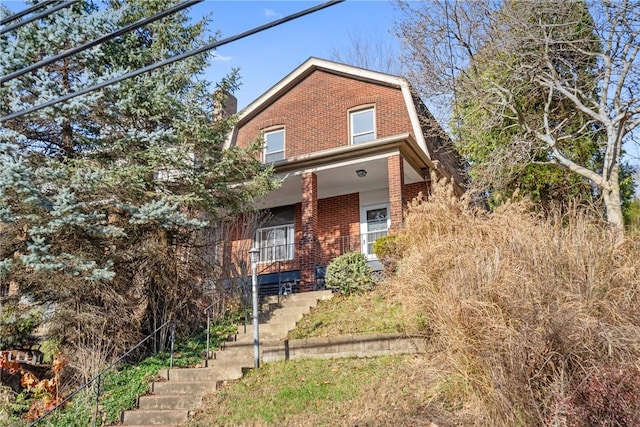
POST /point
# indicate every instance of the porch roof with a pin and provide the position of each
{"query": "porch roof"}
(336, 169)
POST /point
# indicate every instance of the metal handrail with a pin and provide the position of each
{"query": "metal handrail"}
(97, 378)
(278, 263)
(207, 311)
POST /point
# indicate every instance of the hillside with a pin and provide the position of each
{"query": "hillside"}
(529, 320)
(379, 391)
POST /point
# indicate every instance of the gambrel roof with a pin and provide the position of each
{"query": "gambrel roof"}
(429, 136)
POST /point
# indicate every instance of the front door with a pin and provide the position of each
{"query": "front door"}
(374, 223)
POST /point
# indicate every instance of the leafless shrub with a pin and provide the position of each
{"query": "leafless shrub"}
(608, 397)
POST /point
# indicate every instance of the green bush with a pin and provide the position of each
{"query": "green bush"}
(18, 324)
(350, 274)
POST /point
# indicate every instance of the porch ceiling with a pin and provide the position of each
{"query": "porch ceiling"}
(337, 179)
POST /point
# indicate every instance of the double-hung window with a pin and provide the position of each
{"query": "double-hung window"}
(275, 239)
(362, 125)
(275, 243)
(273, 145)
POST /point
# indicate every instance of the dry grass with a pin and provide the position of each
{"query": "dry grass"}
(355, 314)
(531, 321)
(521, 309)
(384, 391)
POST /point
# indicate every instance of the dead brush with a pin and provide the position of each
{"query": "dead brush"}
(521, 308)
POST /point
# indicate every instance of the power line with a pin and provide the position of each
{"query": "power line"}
(27, 11)
(97, 41)
(172, 59)
(38, 16)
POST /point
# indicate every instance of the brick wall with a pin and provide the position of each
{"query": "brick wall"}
(338, 225)
(395, 167)
(308, 250)
(315, 113)
(338, 230)
(411, 191)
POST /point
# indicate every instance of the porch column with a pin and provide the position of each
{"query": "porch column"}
(395, 169)
(309, 248)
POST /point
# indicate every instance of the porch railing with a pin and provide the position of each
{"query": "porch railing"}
(285, 257)
(276, 253)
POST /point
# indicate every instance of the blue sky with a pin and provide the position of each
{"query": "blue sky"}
(267, 57)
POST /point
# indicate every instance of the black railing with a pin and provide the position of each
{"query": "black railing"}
(270, 253)
(207, 311)
(278, 278)
(97, 379)
(278, 263)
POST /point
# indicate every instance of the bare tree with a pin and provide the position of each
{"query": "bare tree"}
(224, 260)
(373, 52)
(465, 49)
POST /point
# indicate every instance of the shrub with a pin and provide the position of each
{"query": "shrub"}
(18, 324)
(389, 250)
(350, 274)
(607, 397)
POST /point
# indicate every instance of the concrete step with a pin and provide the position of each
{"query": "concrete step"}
(281, 316)
(169, 401)
(227, 370)
(302, 302)
(247, 346)
(307, 296)
(232, 356)
(198, 388)
(274, 325)
(303, 307)
(172, 400)
(267, 332)
(155, 417)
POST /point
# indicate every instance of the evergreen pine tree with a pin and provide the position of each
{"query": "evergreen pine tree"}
(102, 197)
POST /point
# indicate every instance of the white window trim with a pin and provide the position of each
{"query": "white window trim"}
(265, 249)
(284, 142)
(363, 227)
(354, 111)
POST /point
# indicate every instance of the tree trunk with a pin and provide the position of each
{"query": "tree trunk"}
(611, 175)
(614, 207)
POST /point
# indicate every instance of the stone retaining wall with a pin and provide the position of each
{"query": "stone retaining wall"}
(343, 346)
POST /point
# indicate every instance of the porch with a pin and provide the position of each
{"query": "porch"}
(285, 268)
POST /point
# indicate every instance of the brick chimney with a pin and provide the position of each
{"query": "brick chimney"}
(224, 104)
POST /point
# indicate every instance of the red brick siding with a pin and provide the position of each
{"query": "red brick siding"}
(338, 229)
(395, 167)
(308, 247)
(309, 205)
(338, 225)
(411, 191)
(315, 113)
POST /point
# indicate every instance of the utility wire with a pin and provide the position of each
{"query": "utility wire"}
(97, 41)
(172, 60)
(38, 16)
(26, 11)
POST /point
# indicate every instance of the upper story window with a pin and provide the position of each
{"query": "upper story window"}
(274, 145)
(362, 125)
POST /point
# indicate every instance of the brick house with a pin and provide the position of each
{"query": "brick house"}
(353, 148)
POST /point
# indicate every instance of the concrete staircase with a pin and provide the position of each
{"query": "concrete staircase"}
(171, 401)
